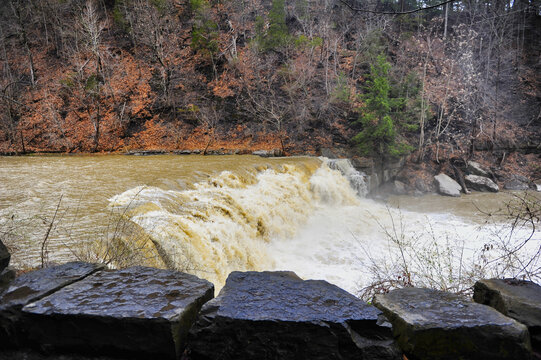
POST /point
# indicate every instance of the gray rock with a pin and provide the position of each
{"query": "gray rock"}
(431, 324)
(4, 256)
(146, 152)
(447, 186)
(6, 277)
(276, 315)
(515, 184)
(137, 311)
(182, 152)
(481, 183)
(268, 153)
(518, 299)
(395, 187)
(476, 169)
(328, 153)
(422, 186)
(364, 164)
(31, 287)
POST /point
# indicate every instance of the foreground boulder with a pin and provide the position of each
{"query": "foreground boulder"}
(4, 256)
(276, 315)
(141, 312)
(481, 183)
(518, 299)
(447, 186)
(30, 287)
(431, 324)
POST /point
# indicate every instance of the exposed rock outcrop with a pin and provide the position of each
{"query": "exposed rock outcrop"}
(431, 324)
(447, 186)
(481, 183)
(30, 287)
(137, 311)
(276, 315)
(518, 299)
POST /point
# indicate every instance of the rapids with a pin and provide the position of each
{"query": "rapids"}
(213, 215)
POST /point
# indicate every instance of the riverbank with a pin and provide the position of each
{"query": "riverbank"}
(84, 311)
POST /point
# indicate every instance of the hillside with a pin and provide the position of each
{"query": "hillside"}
(295, 75)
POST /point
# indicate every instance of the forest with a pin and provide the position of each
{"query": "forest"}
(380, 78)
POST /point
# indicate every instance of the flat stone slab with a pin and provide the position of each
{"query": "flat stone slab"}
(277, 315)
(138, 311)
(5, 256)
(31, 287)
(447, 186)
(431, 324)
(518, 299)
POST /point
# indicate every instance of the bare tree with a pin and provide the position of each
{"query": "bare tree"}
(18, 11)
(92, 28)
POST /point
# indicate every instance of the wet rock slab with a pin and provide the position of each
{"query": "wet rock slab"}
(431, 324)
(138, 311)
(4, 256)
(518, 299)
(31, 287)
(6, 277)
(276, 315)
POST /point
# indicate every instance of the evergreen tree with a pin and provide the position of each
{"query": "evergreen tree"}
(378, 136)
(277, 34)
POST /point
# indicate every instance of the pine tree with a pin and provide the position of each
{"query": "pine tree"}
(378, 136)
(277, 34)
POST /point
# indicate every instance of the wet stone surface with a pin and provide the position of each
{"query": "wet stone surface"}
(431, 324)
(136, 311)
(518, 299)
(4, 257)
(276, 315)
(31, 287)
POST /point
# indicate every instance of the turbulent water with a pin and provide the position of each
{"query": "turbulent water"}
(210, 216)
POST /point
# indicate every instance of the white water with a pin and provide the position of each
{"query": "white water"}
(313, 221)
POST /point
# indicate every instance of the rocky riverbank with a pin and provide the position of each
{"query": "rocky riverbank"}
(84, 311)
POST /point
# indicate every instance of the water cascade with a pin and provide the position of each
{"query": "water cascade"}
(358, 180)
(309, 218)
(226, 223)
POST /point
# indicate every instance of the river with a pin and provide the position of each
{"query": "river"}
(210, 215)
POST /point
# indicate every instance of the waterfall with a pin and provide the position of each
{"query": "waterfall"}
(357, 179)
(310, 218)
(226, 222)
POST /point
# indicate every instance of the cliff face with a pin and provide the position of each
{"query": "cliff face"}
(116, 75)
